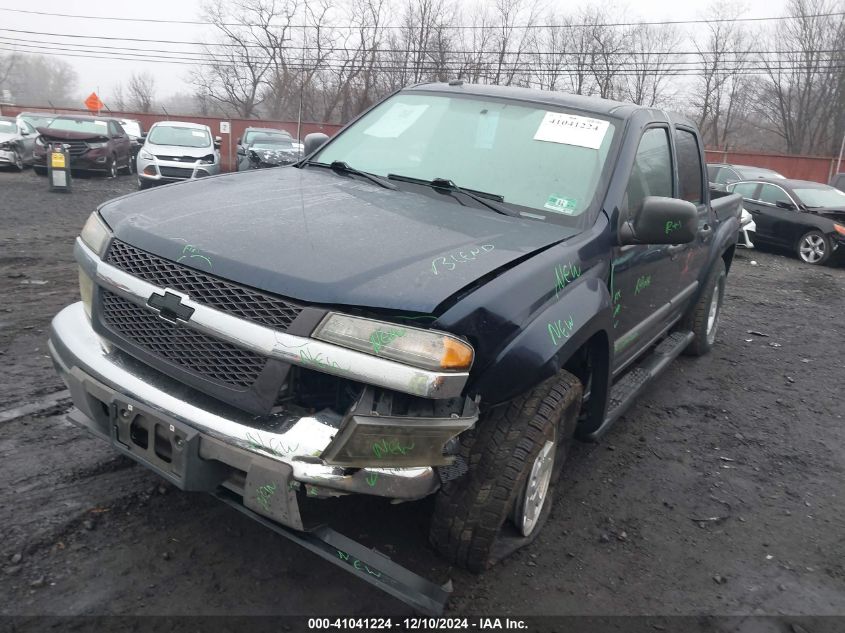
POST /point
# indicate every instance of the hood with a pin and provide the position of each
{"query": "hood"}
(5, 138)
(835, 213)
(318, 237)
(178, 151)
(68, 135)
(275, 156)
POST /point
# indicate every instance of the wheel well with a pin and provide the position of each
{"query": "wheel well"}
(591, 365)
(728, 256)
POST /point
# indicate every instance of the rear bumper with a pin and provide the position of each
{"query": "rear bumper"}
(107, 385)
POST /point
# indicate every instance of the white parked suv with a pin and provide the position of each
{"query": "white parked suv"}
(175, 151)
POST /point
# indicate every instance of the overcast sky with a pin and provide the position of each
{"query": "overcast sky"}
(106, 73)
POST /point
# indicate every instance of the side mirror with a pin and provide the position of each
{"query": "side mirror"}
(661, 221)
(238, 142)
(241, 151)
(314, 141)
(24, 133)
(785, 204)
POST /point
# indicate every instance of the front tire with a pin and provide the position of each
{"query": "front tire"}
(515, 455)
(111, 168)
(17, 160)
(143, 184)
(703, 319)
(814, 248)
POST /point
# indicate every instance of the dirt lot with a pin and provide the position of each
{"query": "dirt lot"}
(721, 492)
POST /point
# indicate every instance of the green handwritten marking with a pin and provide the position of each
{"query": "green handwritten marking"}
(311, 490)
(561, 329)
(390, 447)
(264, 494)
(672, 225)
(372, 478)
(625, 341)
(380, 338)
(643, 282)
(565, 274)
(307, 357)
(282, 450)
(450, 261)
(293, 485)
(358, 564)
(192, 252)
(615, 296)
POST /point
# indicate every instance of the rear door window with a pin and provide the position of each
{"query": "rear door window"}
(689, 167)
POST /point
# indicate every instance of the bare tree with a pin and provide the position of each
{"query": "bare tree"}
(118, 98)
(650, 66)
(141, 91)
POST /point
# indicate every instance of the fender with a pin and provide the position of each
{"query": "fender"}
(547, 342)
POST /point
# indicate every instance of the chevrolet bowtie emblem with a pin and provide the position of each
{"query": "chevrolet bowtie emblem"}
(169, 307)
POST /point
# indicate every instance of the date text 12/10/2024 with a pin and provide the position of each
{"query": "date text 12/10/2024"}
(417, 624)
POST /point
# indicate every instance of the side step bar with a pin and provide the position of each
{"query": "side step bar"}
(366, 564)
(627, 388)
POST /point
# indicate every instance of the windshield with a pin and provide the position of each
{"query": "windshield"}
(180, 136)
(80, 125)
(546, 163)
(37, 120)
(253, 135)
(821, 197)
(8, 127)
(133, 128)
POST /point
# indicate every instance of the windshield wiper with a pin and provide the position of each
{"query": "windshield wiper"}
(489, 200)
(346, 168)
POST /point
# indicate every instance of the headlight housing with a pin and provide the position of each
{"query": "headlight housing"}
(839, 228)
(145, 155)
(427, 349)
(95, 234)
(98, 145)
(207, 160)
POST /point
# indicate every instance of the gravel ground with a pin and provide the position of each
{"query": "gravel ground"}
(720, 492)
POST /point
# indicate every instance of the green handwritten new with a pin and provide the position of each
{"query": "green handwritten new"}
(380, 338)
(391, 447)
(561, 329)
(565, 274)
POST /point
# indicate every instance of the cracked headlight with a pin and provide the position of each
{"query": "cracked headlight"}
(427, 349)
(95, 234)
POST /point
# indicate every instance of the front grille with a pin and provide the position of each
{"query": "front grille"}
(201, 287)
(176, 172)
(77, 148)
(216, 360)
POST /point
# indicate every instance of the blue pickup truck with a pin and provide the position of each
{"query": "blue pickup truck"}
(435, 301)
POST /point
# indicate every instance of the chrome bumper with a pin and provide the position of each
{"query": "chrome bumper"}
(98, 377)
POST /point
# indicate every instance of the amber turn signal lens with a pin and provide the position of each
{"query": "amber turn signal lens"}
(839, 228)
(456, 355)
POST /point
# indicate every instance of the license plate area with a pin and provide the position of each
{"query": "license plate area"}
(166, 446)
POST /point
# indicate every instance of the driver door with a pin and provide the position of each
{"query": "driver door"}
(774, 224)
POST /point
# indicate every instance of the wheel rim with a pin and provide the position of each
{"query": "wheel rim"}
(713, 313)
(18, 161)
(812, 248)
(536, 489)
(113, 170)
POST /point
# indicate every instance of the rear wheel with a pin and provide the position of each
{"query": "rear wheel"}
(111, 167)
(128, 168)
(814, 248)
(703, 318)
(515, 455)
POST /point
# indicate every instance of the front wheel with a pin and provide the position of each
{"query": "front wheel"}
(703, 318)
(111, 168)
(814, 248)
(515, 454)
(17, 160)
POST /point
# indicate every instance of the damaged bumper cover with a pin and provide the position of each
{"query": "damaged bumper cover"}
(199, 443)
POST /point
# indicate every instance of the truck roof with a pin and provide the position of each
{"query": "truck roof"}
(597, 105)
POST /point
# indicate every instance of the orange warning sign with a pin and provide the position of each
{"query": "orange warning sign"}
(93, 102)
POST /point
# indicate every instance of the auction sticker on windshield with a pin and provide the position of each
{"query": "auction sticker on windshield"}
(571, 129)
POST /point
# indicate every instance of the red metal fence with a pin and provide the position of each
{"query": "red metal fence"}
(818, 168)
(229, 141)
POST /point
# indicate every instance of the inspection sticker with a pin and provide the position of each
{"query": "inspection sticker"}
(567, 206)
(57, 159)
(570, 129)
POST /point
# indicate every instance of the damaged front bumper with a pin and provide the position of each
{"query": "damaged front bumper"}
(199, 443)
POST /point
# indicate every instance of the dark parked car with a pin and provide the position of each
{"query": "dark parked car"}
(721, 175)
(251, 134)
(96, 144)
(17, 139)
(838, 181)
(268, 151)
(433, 303)
(806, 217)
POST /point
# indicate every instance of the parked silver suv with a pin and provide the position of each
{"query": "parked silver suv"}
(175, 151)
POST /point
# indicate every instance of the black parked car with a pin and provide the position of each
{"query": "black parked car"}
(262, 136)
(803, 216)
(97, 144)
